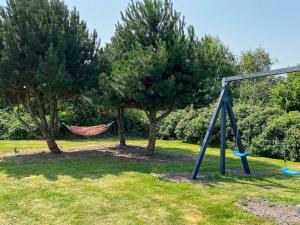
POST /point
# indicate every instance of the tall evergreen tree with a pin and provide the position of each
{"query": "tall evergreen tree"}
(46, 54)
(155, 68)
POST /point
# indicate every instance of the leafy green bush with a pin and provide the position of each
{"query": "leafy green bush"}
(280, 137)
(11, 127)
(193, 125)
(253, 119)
(135, 123)
(289, 86)
(167, 127)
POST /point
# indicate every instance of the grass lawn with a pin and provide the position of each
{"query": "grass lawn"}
(91, 189)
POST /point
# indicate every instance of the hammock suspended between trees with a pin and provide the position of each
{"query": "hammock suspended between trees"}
(88, 131)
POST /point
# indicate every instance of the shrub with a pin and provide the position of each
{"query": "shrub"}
(253, 119)
(281, 135)
(11, 127)
(167, 127)
(193, 125)
(135, 123)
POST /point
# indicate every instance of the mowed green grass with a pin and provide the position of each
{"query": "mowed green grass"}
(100, 190)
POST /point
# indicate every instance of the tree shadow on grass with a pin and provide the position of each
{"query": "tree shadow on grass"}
(109, 161)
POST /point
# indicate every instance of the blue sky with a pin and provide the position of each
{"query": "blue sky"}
(240, 24)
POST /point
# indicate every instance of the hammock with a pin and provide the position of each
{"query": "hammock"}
(88, 131)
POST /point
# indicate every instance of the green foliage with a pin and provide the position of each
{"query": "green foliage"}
(46, 54)
(289, 87)
(154, 66)
(189, 125)
(252, 120)
(258, 91)
(135, 123)
(167, 127)
(257, 60)
(261, 128)
(83, 112)
(11, 128)
(217, 61)
(44, 46)
(78, 111)
(280, 137)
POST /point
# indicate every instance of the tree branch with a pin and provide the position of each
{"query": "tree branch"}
(26, 125)
(147, 113)
(26, 103)
(53, 123)
(41, 111)
(165, 114)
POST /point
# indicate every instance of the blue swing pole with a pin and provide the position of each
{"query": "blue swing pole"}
(207, 136)
(223, 133)
(239, 143)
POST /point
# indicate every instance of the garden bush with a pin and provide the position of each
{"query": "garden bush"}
(193, 125)
(10, 126)
(135, 123)
(167, 127)
(280, 134)
(252, 120)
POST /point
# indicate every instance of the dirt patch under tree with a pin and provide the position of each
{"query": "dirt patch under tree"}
(128, 153)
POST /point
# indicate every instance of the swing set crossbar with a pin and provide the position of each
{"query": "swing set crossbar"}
(260, 74)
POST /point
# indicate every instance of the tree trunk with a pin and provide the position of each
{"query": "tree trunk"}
(121, 130)
(47, 125)
(54, 149)
(152, 133)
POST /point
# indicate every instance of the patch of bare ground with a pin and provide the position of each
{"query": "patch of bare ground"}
(183, 177)
(241, 172)
(129, 154)
(204, 177)
(283, 214)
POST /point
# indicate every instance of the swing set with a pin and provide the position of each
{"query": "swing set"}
(224, 108)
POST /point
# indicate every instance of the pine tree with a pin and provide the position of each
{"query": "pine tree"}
(155, 66)
(46, 54)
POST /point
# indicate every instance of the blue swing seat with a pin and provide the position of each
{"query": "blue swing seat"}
(240, 154)
(288, 171)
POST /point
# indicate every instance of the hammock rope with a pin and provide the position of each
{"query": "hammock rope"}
(88, 131)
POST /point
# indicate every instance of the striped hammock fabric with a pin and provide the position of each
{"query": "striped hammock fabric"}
(88, 131)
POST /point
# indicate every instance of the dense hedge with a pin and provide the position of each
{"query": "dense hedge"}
(262, 129)
(188, 125)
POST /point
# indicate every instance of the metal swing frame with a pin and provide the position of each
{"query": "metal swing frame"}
(224, 107)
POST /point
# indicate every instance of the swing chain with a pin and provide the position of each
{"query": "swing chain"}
(286, 145)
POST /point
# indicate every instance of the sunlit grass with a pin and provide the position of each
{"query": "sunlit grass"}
(96, 190)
